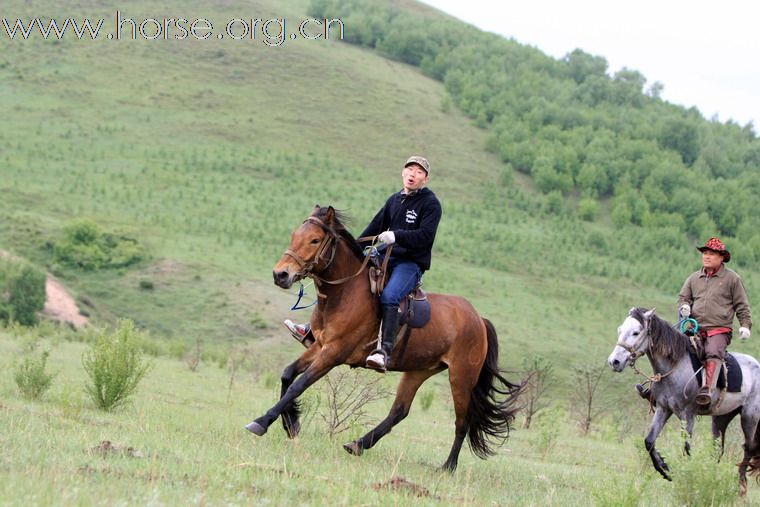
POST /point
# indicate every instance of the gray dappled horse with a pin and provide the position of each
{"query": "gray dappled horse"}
(642, 332)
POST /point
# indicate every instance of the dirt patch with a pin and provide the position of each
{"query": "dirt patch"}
(398, 483)
(106, 448)
(60, 306)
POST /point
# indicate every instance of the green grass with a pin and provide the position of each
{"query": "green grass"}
(189, 448)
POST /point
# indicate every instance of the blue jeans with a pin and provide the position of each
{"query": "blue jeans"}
(405, 275)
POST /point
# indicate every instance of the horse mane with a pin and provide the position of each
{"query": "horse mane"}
(666, 341)
(339, 222)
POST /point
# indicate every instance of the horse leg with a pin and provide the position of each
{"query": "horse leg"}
(661, 417)
(461, 391)
(719, 425)
(751, 448)
(407, 388)
(689, 429)
(324, 361)
(292, 412)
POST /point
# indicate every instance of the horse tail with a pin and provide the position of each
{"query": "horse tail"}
(493, 404)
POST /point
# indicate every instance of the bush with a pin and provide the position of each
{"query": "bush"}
(22, 292)
(115, 366)
(86, 246)
(31, 378)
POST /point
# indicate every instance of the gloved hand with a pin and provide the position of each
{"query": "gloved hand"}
(744, 333)
(387, 237)
(684, 311)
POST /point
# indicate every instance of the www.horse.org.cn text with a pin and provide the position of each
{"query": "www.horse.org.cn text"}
(269, 31)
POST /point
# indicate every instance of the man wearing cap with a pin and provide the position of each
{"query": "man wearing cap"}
(409, 221)
(712, 296)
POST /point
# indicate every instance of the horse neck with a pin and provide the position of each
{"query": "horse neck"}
(345, 264)
(662, 364)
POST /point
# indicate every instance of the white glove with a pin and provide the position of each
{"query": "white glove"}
(744, 333)
(684, 311)
(387, 237)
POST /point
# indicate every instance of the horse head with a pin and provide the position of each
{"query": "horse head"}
(632, 340)
(312, 248)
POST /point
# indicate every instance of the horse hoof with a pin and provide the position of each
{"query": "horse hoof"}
(256, 428)
(353, 448)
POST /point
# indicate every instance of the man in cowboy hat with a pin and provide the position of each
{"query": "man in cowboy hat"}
(712, 296)
(409, 220)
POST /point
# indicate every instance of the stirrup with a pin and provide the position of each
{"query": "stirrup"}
(704, 397)
(378, 360)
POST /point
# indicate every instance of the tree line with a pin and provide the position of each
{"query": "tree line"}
(577, 129)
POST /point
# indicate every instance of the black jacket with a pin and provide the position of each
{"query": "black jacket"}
(414, 221)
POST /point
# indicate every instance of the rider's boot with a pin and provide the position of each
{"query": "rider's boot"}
(704, 397)
(378, 359)
(301, 332)
(643, 391)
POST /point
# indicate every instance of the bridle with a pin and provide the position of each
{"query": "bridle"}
(329, 241)
(635, 353)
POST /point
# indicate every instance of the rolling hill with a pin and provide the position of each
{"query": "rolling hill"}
(208, 152)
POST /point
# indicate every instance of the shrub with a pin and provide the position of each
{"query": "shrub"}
(22, 292)
(86, 246)
(115, 366)
(31, 378)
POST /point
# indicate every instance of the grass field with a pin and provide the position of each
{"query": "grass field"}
(209, 153)
(189, 448)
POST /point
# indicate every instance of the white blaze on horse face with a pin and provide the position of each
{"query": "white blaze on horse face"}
(629, 334)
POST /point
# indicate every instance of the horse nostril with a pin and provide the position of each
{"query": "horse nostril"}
(279, 276)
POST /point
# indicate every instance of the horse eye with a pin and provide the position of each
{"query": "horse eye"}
(635, 333)
(314, 241)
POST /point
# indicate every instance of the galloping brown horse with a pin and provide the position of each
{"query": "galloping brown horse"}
(345, 325)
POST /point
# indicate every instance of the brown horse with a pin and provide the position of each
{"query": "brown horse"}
(345, 325)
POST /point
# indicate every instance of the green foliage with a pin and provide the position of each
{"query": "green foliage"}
(587, 209)
(569, 124)
(31, 376)
(700, 480)
(115, 366)
(86, 246)
(547, 428)
(22, 291)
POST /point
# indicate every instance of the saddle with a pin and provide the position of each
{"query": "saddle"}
(731, 365)
(415, 308)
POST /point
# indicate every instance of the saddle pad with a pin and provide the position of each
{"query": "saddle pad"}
(734, 373)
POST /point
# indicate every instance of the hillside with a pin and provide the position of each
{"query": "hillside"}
(210, 152)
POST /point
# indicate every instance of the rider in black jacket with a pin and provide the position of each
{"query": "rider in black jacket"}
(409, 221)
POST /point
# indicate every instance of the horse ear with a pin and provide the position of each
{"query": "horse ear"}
(648, 314)
(330, 215)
